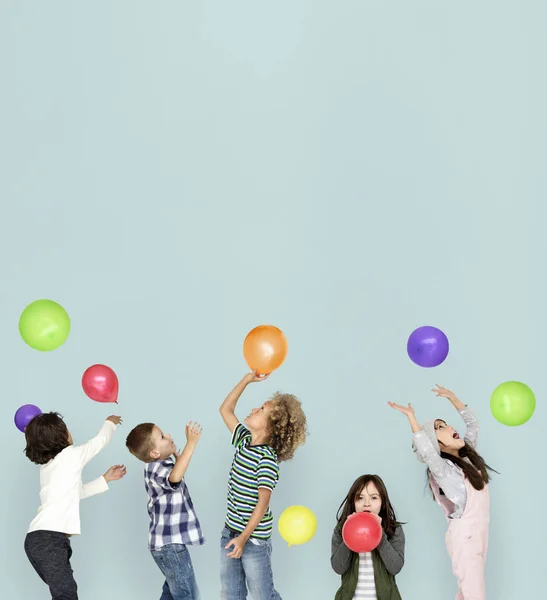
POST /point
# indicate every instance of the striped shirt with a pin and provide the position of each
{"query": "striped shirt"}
(366, 586)
(253, 467)
(173, 519)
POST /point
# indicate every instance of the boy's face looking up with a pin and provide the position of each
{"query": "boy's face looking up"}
(258, 420)
(162, 444)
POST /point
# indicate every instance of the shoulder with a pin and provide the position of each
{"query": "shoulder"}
(240, 433)
(267, 453)
(63, 458)
(337, 533)
(158, 467)
(398, 533)
(241, 430)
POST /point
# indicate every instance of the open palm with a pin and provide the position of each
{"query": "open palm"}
(115, 472)
(406, 410)
(443, 392)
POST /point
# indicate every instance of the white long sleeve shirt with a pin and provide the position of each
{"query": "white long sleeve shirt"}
(61, 487)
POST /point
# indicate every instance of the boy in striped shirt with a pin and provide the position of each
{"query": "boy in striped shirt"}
(269, 435)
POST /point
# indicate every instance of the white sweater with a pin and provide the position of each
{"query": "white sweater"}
(61, 485)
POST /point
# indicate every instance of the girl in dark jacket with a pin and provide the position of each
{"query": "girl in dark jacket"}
(369, 575)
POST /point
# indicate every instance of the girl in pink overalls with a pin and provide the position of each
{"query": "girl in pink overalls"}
(458, 478)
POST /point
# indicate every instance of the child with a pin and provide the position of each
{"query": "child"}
(369, 575)
(271, 434)
(47, 545)
(458, 477)
(173, 521)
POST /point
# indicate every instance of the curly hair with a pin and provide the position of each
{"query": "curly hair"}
(287, 425)
(46, 435)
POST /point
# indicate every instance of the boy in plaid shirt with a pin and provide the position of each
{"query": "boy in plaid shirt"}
(173, 522)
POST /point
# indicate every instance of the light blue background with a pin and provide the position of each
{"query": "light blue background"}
(175, 173)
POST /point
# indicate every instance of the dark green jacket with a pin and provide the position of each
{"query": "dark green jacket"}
(387, 559)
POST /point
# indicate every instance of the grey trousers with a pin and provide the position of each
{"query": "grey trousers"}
(49, 553)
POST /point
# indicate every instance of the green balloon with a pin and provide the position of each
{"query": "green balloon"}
(513, 403)
(44, 325)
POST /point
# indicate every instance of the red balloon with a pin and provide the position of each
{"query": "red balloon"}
(362, 532)
(100, 383)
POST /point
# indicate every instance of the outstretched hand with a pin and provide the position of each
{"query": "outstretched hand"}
(193, 432)
(406, 410)
(115, 472)
(439, 390)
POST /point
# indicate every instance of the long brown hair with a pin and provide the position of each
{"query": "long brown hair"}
(387, 512)
(475, 469)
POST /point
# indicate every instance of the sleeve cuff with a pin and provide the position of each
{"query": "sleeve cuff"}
(97, 486)
(235, 432)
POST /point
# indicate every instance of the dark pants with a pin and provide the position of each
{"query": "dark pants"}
(49, 553)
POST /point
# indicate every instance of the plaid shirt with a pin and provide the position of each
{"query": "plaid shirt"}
(172, 516)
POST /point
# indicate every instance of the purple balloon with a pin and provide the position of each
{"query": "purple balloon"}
(24, 416)
(427, 347)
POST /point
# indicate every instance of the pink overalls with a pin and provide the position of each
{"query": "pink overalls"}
(467, 541)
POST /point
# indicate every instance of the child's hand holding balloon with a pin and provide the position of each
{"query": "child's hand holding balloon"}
(254, 376)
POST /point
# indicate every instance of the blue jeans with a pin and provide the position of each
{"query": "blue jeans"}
(175, 563)
(253, 570)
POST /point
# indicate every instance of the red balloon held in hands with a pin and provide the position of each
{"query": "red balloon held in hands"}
(100, 383)
(362, 532)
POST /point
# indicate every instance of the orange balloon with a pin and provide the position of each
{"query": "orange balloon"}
(265, 348)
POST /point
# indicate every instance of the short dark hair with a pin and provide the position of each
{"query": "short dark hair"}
(46, 435)
(139, 441)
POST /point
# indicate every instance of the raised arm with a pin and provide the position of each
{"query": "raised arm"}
(193, 434)
(340, 555)
(100, 485)
(422, 443)
(471, 426)
(228, 407)
(469, 418)
(90, 449)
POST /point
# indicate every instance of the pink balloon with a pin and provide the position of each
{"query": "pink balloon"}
(362, 532)
(100, 383)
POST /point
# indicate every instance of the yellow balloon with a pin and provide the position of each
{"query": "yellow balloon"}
(297, 525)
